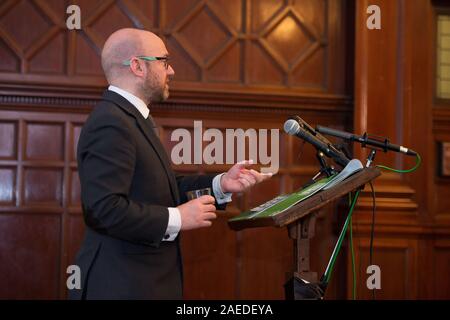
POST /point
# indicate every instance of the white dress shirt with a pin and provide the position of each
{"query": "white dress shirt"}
(174, 224)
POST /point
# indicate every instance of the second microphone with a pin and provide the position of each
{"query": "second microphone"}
(293, 128)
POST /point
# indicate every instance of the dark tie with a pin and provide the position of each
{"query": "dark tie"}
(153, 124)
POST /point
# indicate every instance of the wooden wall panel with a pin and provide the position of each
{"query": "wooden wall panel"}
(37, 194)
(441, 264)
(209, 257)
(394, 95)
(438, 195)
(243, 44)
(441, 184)
(398, 262)
(266, 256)
(8, 140)
(8, 181)
(52, 134)
(42, 186)
(30, 251)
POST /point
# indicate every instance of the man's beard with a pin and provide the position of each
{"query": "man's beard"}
(153, 91)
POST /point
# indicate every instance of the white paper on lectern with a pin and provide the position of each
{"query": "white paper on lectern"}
(352, 167)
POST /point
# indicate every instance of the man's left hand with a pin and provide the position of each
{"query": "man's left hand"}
(239, 178)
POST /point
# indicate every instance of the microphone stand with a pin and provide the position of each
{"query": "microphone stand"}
(324, 280)
(325, 168)
(328, 170)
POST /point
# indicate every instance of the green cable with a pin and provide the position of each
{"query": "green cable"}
(348, 222)
(418, 162)
(337, 248)
(352, 252)
(353, 259)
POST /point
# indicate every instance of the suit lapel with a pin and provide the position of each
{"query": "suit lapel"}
(150, 135)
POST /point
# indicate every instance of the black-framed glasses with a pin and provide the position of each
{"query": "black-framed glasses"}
(146, 58)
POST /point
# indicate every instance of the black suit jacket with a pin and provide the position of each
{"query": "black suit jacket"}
(127, 185)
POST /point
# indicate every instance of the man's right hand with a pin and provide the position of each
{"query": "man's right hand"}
(197, 213)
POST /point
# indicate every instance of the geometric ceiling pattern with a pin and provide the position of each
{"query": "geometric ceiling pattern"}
(240, 42)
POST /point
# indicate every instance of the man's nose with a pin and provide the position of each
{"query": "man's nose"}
(170, 71)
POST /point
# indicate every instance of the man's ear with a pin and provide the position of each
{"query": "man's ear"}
(136, 67)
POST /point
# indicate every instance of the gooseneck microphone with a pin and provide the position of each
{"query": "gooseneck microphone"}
(385, 145)
(293, 128)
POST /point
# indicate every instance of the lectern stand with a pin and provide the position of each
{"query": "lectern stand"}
(300, 220)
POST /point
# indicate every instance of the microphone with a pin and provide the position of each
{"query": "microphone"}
(365, 140)
(303, 124)
(293, 128)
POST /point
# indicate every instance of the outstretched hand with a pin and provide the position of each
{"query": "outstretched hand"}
(239, 178)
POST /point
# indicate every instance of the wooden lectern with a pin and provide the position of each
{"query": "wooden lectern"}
(300, 219)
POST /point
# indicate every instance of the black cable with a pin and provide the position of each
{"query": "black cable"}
(372, 231)
(357, 230)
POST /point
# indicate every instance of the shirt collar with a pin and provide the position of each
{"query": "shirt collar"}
(135, 101)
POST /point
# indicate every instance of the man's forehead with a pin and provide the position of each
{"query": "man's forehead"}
(156, 48)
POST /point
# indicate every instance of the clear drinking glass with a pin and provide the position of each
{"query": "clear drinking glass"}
(194, 194)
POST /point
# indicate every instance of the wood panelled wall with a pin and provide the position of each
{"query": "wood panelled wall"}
(395, 96)
(238, 64)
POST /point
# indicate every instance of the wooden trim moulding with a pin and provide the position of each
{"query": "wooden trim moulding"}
(82, 99)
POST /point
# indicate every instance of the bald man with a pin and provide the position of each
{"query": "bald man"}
(134, 205)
